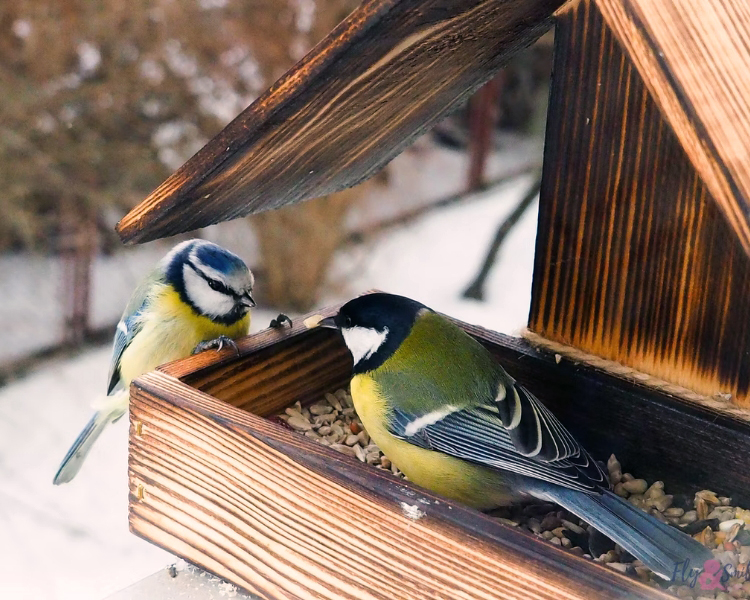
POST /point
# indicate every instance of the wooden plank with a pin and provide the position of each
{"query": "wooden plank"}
(634, 261)
(273, 369)
(284, 517)
(386, 74)
(694, 58)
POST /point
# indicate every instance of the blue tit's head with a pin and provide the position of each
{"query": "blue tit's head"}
(374, 326)
(215, 282)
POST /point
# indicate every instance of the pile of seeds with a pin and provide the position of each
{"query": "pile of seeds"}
(334, 423)
(711, 519)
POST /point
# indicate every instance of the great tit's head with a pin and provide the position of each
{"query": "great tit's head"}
(213, 281)
(374, 326)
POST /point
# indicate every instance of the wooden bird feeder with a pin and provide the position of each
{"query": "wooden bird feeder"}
(642, 278)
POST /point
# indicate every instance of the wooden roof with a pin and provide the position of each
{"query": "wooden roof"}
(694, 57)
(387, 73)
(395, 67)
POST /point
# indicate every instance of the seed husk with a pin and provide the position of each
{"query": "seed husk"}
(635, 486)
(319, 408)
(621, 491)
(299, 423)
(348, 450)
(334, 402)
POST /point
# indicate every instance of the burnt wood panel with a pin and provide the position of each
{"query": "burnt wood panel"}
(634, 261)
(386, 74)
(285, 517)
(694, 57)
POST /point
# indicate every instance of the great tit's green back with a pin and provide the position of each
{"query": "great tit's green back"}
(443, 366)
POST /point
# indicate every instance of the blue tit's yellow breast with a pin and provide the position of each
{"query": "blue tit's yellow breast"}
(170, 330)
(446, 475)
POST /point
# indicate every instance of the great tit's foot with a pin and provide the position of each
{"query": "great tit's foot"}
(278, 322)
(217, 343)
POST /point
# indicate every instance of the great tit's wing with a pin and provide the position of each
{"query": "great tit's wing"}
(513, 432)
(130, 324)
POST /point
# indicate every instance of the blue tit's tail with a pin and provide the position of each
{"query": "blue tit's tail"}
(114, 407)
(661, 547)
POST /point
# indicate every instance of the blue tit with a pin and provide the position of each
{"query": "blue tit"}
(444, 412)
(198, 296)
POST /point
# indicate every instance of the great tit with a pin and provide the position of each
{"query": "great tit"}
(198, 296)
(448, 415)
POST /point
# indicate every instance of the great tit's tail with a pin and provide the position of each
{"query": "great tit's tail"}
(664, 549)
(112, 409)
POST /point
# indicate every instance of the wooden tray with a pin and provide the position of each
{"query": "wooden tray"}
(282, 516)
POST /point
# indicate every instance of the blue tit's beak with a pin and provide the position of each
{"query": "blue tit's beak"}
(328, 323)
(247, 300)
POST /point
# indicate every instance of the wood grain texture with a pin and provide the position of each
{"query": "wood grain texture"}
(634, 261)
(387, 73)
(272, 371)
(284, 517)
(694, 58)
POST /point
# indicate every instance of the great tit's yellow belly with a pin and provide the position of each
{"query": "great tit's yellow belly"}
(470, 484)
(170, 331)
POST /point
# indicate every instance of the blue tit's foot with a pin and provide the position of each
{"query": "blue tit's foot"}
(278, 322)
(217, 343)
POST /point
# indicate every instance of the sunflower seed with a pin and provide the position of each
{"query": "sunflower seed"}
(635, 486)
(348, 450)
(299, 424)
(334, 402)
(320, 409)
(621, 491)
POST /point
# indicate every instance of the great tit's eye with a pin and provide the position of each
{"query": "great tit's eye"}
(347, 321)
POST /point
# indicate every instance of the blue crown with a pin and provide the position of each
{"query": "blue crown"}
(218, 258)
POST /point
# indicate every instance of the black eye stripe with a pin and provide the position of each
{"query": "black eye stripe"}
(213, 283)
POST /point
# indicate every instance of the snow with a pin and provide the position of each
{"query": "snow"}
(31, 326)
(434, 259)
(72, 541)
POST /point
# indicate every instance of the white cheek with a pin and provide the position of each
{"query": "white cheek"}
(363, 342)
(209, 302)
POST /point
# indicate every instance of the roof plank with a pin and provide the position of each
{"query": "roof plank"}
(694, 58)
(386, 74)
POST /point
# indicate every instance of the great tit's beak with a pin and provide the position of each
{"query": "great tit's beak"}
(320, 321)
(328, 323)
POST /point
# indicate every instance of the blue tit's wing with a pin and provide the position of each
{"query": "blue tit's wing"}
(130, 324)
(513, 432)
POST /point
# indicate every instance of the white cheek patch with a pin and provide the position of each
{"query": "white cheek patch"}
(208, 301)
(363, 342)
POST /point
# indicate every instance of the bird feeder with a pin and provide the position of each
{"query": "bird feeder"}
(639, 321)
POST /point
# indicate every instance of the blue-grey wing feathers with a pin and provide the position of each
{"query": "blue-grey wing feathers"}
(516, 433)
(126, 330)
(130, 324)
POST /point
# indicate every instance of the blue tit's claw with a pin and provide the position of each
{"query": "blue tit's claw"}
(278, 322)
(217, 343)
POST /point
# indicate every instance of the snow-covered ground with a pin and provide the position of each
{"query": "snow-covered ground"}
(72, 541)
